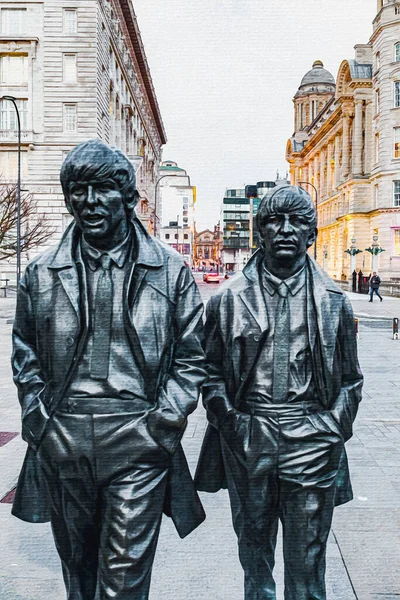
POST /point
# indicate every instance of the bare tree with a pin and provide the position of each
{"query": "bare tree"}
(35, 230)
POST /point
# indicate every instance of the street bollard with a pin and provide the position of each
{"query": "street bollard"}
(356, 324)
(395, 329)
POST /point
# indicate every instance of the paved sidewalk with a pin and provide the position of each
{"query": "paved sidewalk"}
(387, 309)
(364, 548)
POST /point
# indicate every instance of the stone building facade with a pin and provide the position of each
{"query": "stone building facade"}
(346, 143)
(79, 71)
(204, 254)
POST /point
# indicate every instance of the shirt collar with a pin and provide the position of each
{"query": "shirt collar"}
(92, 255)
(294, 283)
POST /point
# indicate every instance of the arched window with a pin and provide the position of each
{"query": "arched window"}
(397, 52)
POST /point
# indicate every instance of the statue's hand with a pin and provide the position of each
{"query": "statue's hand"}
(34, 426)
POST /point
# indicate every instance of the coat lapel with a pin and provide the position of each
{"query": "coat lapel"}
(70, 282)
(64, 264)
(252, 295)
(324, 304)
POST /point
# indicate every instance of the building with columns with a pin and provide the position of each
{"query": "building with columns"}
(346, 143)
(78, 71)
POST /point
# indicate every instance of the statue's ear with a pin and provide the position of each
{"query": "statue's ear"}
(312, 237)
(132, 201)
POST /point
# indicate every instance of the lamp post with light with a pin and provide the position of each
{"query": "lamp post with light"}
(13, 100)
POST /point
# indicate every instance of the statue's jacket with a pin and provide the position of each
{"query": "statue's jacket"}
(235, 331)
(163, 318)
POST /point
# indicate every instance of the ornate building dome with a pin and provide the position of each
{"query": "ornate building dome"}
(316, 89)
(317, 75)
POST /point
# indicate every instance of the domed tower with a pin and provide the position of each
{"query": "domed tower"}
(316, 89)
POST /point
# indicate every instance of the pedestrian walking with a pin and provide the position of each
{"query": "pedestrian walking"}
(374, 284)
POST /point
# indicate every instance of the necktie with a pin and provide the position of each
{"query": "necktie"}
(102, 321)
(281, 347)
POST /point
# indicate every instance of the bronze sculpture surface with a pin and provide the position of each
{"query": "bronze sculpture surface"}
(108, 361)
(283, 391)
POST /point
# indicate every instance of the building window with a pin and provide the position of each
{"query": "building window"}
(377, 101)
(396, 242)
(397, 94)
(14, 69)
(397, 10)
(9, 165)
(8, 115)
(376, 196)
(69, 68)
(397, 52)
(378, 60)
(167, 236)
(396, 193)
(186, 237)
(70, 120)
(12, 21)
(313, 109)
(70, 20)
(397, 142)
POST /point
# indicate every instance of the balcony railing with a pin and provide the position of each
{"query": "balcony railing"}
(236, 242)
(11, 135)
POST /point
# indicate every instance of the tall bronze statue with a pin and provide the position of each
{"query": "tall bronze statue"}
(283, 390)
(108, 362)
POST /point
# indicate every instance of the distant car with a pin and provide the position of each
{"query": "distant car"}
(212, 278)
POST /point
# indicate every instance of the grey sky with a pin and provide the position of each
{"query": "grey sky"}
(225, 72)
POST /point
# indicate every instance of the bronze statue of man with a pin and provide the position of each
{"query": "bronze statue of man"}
(108, 362)
(283, 390)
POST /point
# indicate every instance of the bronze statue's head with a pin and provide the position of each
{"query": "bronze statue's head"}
(99, 186)
(287, 224)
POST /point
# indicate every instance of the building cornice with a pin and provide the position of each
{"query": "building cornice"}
(136, 38)
(381, 26)
(325, 128)
(127, 14)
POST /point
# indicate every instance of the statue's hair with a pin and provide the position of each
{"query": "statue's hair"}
(97, 161)
(285, 198)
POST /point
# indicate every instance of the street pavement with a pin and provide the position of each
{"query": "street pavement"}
(364, 546)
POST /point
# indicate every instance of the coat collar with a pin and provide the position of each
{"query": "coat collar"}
(147, 252)
(326, 297)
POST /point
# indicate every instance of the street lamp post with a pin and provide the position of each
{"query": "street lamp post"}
(316, 207)
(13, 100)
(155, 195)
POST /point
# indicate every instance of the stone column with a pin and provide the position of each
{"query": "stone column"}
(322, 173)
(346, 146)
(310, 171)
(358, 138)
(368, 140)
(316, 170)
(337, 165)
(375, 257)
(329, 169)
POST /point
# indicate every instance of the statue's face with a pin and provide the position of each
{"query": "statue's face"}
(287, 235)
(98, 209)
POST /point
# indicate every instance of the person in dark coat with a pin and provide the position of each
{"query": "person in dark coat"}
(283, 391)
(108, 361)
(374, 284)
